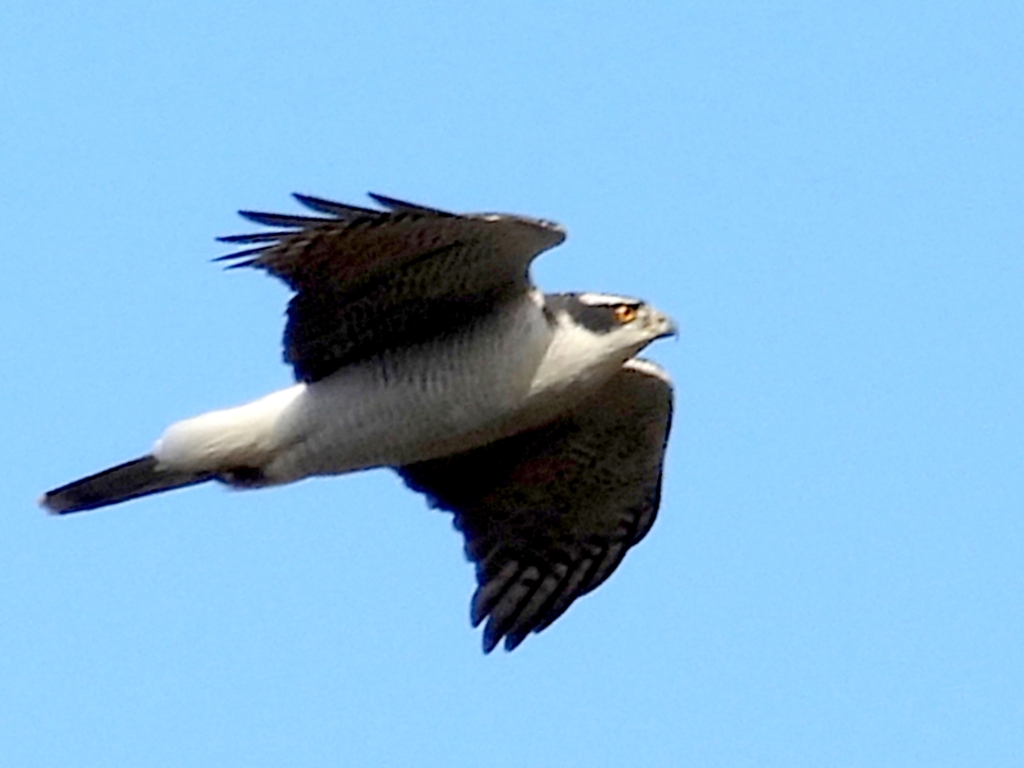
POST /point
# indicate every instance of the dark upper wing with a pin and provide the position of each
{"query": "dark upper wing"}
(549, 514)
(368, 280)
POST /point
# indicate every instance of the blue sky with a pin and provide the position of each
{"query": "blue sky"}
(826, 196)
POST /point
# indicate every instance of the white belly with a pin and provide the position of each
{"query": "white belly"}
(510, 374)
(449, 396)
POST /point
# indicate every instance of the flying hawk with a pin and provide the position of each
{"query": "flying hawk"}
(420, 343)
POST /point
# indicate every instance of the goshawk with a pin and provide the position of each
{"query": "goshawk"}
(420, 343)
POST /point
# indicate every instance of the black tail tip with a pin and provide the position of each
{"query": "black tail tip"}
(130, 480)
(50, 504)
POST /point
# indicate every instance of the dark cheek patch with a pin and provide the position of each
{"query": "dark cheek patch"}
(598, 318)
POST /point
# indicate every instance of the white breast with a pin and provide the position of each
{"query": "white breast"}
(510, 373)
(435, 400)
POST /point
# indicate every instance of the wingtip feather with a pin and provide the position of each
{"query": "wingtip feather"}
(333, 208)
(403, 206)
(282, 219)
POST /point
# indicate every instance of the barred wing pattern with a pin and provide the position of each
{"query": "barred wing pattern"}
(370, 280)
(548, 515)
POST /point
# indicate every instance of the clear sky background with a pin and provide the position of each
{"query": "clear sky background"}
(826, 196)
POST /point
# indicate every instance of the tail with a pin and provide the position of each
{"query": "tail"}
(125, 481)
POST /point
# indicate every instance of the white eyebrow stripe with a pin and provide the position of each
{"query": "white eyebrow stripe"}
(606, 299)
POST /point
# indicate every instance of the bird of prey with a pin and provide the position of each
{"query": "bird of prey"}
(420, 343)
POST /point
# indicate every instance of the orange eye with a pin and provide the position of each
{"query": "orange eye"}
(625, 313)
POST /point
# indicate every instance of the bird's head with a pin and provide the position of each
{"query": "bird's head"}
(620, 323)
(594, 334)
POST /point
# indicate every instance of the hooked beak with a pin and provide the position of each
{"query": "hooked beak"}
(668, 327)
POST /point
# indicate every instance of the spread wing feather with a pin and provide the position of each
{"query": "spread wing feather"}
(400, 205)
(369, 280)
(548, 515)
